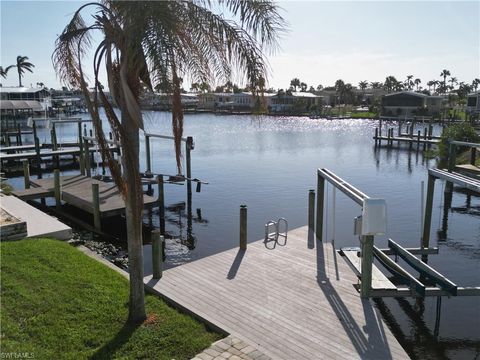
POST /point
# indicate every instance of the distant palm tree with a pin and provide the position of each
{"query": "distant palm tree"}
(319, 87)
(303, 87)
(417, 82)
(445, 73)
(409, 82)
(376, 85)
(475, 84)
(22, 65)
(453, 81)
(3, 72)
(294, 83)
(363, 85)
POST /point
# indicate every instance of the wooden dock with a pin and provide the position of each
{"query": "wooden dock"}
(291, 302)
(76, 190)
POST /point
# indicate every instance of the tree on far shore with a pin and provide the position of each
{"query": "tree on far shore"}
(21, 65)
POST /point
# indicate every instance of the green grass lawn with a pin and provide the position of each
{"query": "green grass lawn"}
(57, 303)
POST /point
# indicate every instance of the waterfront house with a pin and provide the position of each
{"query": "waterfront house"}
(293, 102)
(21, 102)
(409, 104)
(473, 103)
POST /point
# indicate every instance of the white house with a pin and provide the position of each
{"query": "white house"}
(288, 102)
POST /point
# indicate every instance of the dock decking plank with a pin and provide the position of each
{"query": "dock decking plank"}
(293, 302)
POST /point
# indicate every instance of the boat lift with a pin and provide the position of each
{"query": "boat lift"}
(373, 283)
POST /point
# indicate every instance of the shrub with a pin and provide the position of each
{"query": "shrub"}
(457, 132)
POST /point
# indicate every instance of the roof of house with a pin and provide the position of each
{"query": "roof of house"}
(20, 105)
(411, 93)
(16, 89)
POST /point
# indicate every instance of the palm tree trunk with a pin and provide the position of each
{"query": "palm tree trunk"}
(134, 207)
(19, 78)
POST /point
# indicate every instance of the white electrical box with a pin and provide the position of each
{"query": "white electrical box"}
(374, 217)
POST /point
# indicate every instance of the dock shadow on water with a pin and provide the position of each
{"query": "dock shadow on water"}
(367, 347)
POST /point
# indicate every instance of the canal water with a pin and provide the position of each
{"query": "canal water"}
(269, 164)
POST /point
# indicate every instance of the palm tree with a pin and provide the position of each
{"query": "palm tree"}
(409, 82)
(475, 84)
(141, 44)
(303, 87)
(417, 82)
(445, 73)
(363, 85)
(294, 83)
(3, 72)
(453, 81)
(22, 65)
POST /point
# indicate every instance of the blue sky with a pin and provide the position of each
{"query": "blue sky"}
(326, 41)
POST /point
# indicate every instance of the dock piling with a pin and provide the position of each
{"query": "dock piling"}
(56, 187)
(243, 227)
(26, 174)
(96, 206)
(157, 254)
(427, 222)
(147, 153)
(367, 260)
(161, 204)
(320, 196)
(311, 210)
(86, 157)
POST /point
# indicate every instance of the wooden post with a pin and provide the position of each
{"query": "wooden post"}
(452, 155)
(81, 158)
(188, 148)
(34, 129)
(320, 196)
(427, 222)
(388, 137)
(367, 261)
(311, 210)
(157, 254)
(425, 138)
(399, 128)
(161, 204)
(473, 155)
(26, 174)
(243, 227)
(96, 206)
(39, 159)
(86, 157)
(53, 136)
(56, 181)
(19, 136)
(376, 136)
(147, 153)
(380, 127)
(419, 134)
(79, 124)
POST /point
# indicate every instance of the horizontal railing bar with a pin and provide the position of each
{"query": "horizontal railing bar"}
(108, 141)
(429, 291)
(353, 193)
(164, 136)
(464, 143)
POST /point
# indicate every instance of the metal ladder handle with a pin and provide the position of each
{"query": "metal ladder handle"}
(267, 230)
(285, 233)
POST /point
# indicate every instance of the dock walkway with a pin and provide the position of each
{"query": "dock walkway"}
(76, 190)
(291, 302)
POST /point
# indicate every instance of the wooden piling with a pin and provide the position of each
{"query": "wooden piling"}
(157, 254)
(376, 136)
(86, 157)
(79, 124)
(320, 196)
(26, 174)
(425, 138)
(147, 154)
(367, 261)
(188, 148)
(81, 158)
(161, 204)
(56, 188)
(38, 158)
(96, 206)
(19, 135)
(419, 134)
(243, 227)
(311, 210)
